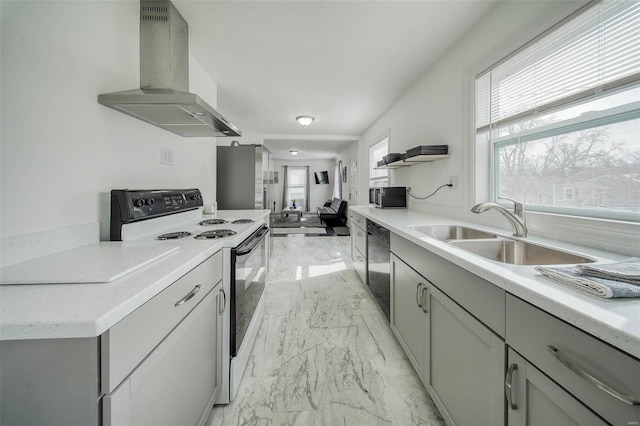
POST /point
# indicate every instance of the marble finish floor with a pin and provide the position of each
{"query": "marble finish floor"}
(325, 354)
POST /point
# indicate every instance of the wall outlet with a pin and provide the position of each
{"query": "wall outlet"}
(166, 156)
(453, 180)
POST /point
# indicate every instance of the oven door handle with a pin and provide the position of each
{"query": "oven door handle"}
(242, 250)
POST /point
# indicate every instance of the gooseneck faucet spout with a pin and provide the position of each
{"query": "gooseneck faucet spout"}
(516, 219)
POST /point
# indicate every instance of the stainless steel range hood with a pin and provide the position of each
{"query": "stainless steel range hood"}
(163, 98)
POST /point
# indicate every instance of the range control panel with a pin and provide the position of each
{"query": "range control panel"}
(129, 205)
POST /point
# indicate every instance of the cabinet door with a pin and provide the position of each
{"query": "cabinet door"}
(360, 263)
(535, 400)
(408, 320)
(464, 370)
(176, 382)
(221, 307)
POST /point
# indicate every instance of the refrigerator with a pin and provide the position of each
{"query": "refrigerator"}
(244, 178)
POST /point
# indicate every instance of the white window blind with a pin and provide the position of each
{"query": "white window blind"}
(590, 55)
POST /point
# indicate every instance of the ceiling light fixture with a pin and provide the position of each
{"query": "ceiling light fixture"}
(293, 152)
(305, 120)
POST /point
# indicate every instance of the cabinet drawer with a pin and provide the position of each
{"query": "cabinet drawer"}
(360, 220)
(360, 239)
(577, 355)
(128, 342)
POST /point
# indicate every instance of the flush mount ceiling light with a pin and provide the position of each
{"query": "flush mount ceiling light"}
(305, 120)
(293, 152)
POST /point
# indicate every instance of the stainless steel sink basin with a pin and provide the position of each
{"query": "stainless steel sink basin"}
(452, 232)
(520, 252)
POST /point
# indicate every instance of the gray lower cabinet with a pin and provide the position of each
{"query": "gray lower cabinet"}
(535, 400)
(408, 321)
(161, 364)
(178, 379)
(602, 377)
(465, 365)
(460, 361)
(50, 382)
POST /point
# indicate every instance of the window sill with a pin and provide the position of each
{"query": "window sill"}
(604, 234)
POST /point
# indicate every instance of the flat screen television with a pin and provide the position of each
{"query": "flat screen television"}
(322, 177)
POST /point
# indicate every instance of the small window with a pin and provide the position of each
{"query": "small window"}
(568, 194)
(563, 113)
(377, 176)
(296, 191)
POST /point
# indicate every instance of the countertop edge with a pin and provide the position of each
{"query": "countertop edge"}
(91, 324)
(585, 312)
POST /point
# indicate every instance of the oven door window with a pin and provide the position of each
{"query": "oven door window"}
(248, 286)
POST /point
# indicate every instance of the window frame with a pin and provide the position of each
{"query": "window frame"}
(383, 174)
(302, 186)
(485, 136)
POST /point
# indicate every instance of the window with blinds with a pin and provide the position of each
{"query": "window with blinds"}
(562, 116)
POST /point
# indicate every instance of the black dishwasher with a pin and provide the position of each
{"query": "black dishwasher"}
(379, 265)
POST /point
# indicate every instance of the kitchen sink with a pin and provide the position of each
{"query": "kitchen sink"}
(452, 232)
(520, 252)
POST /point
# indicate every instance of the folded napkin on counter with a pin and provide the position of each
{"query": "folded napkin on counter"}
(627, 270)
(600, 287)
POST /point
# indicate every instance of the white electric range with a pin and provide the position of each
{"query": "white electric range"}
(171, 216)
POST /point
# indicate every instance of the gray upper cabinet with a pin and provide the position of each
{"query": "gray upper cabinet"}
(535, 400)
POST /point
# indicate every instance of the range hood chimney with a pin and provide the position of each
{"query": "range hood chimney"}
(163, 98)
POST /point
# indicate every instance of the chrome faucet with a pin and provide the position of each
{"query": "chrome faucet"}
(517, 219)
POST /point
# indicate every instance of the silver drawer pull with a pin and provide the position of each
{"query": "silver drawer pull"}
(188, 296)
(418, 297)
(224, 300)
(508, 386)
(425, 304)
(627, 399)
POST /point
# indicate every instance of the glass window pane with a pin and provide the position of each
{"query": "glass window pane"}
(296, 188)
(594, 170)
(378, 177)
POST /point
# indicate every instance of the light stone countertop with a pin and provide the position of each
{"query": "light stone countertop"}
(615, 321)
(46, 311)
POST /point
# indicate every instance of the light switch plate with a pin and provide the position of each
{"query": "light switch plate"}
(166, 156)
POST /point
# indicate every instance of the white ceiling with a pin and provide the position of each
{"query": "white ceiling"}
(343, 62)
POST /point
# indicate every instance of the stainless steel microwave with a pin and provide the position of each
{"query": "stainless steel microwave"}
(388, 196)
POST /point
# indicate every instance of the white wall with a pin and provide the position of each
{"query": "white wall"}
(319, 193)
(61, 151)
(438, 109)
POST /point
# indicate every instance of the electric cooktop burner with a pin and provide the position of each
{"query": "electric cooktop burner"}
(212, 222)
(243, 221)
(217, 233)
(174, 235)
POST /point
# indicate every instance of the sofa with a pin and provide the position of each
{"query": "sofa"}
(334, 211)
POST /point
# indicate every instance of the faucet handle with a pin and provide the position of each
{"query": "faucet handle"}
(518, 207)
